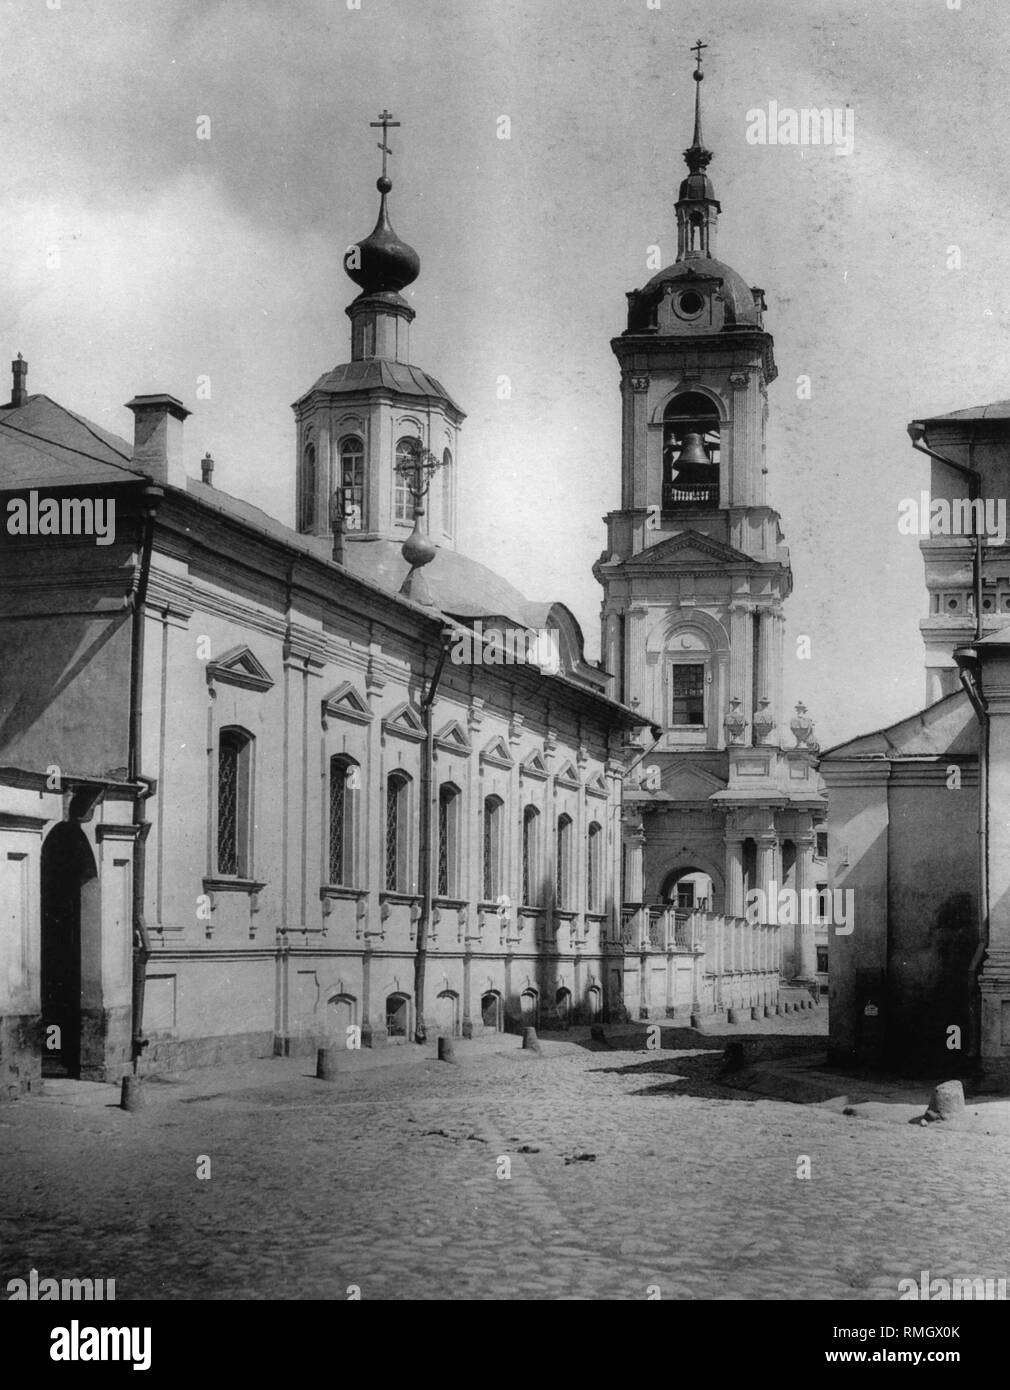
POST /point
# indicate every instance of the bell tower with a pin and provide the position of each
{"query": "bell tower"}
(364, 425)
(695, 576)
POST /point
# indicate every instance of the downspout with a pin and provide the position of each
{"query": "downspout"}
(424, 834)
(967, 670)
(141, 941)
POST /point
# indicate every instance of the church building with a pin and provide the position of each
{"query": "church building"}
(255, 792)
(726, 810)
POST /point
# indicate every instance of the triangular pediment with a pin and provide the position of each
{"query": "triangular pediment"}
(596, 785)
(240, 666)
(405, 721)
(691, 548)
(533, 765)
(346, 702)
(453, 738)
(567, 776)
(683, 781)
(497, 752)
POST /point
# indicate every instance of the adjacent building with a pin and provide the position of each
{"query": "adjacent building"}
(920, 810)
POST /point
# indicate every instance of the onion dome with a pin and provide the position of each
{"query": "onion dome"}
(381, 261)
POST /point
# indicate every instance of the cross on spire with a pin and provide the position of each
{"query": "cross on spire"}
(697, 51)
(385, 121)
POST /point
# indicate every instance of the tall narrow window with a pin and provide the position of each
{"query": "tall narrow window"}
(531, 857)
(447, 487)
(688, 682)
(344, 782)
(307, 496)
(397, 827)
(403, 506)
(493, 810)
(593, 842)
(448, 840)
(352, 480)
(234, 803)
(563, 862)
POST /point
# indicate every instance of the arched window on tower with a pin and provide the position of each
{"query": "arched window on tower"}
(352, 480)
(447, 487)
(691, 452)
(403, 505)
(307, 492)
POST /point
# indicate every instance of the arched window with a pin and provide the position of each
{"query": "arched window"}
(493, 823)
(352, 480)
(531, 857)
(397, 831)
(234, 803)
(594, 842)
(403, 504)
(447, 491)
(345, 781)
(691, 452)
(563, 862)
(448, 841)
(307, 494)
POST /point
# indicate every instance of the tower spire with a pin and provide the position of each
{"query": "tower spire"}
(697, 206)
(699, 77)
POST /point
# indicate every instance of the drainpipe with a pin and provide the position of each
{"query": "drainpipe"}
(968, 671)
(425, 836)
(141, 941)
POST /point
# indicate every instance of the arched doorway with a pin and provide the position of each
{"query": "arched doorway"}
(529, 1004)
(341, 1014)
(688, 889)
(398, 1015)
(67, 866)
(563, 1004)
(594, 1003)
(491, 1010)
(447, 1013)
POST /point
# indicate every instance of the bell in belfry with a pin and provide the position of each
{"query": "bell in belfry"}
(692, 452)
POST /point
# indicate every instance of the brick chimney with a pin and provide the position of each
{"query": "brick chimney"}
(19, 390)
(157, 437)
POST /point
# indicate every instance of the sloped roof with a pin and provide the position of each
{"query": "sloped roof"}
(947, 727)
(379, 372)
(998, 410)
(44, 444)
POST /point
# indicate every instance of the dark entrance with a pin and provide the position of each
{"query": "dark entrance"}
(67, 864)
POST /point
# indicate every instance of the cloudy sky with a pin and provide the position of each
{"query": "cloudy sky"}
(135, 256)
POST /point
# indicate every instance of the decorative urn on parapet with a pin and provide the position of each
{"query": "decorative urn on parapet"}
(417, 549)
(803, 729)
(763, 722)
(734, 723)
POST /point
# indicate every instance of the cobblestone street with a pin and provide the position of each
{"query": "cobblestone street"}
(628, 1169)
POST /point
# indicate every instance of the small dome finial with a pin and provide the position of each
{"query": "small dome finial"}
(381, 261)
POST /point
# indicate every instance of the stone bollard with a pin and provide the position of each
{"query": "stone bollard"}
(531, 1043)
(947, 1102)
(446, 1051)
(733, 1016)
(755, 1012)
(327, 1066)
(778, 1010)
(768, 1011)
(133, 1094)
(696, 1020)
